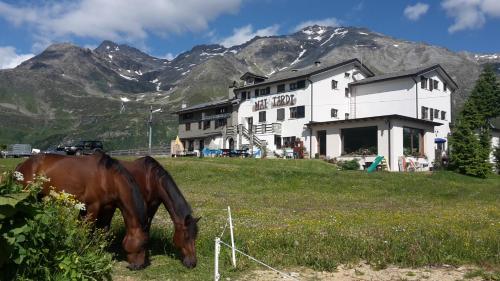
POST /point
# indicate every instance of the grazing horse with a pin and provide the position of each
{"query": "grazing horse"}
(157, 186)
(101, 183)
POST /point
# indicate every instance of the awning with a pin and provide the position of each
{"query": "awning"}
(439, 140)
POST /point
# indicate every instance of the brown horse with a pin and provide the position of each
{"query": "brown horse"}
(158, 186)
(101, 183)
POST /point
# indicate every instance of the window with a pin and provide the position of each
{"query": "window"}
(346, 92)
(423, 82)
(412, 141)
(359, 141)
(281, 88)
(262, 116)
(436, 114)
(334, 112)
(443, 115)
(334, 84)
(265, 91)
(431, 84)
(243, 96)
(280, 112)
(298, 85)
(436, 84)
(256, 93)
(347, 74)
(297, 112)
(445, 87)
(206, 124)
(199, 125)
(187, 116)
(289, 141)
(347, 116)
(221, 110)
(424, 111)
(220, 122)
(188, 126)
(432, 114)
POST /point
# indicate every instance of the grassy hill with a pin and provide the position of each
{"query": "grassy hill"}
(292, 213)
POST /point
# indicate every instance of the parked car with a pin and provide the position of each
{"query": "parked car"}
(84, 147)
(55, 150)
(17, 150)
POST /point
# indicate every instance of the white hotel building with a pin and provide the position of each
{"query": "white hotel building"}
(338, 111)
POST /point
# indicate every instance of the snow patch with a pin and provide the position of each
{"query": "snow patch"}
(186, 72)
(107, 47)
(154, 81)
(128, 78)
(138, 72)
(128, 70)
(234, 51)
(117, 49)
(396, 45)
(158, 86)
(124, 99)
(300, 55)
(318, 38)
(362, 33)
(110, 57)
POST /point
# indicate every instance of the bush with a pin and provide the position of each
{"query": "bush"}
(46, 240)
(349, 164)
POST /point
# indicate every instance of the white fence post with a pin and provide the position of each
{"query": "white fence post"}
(233, 252)
(217, 251)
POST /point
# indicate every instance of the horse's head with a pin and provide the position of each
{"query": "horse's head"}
(184, 239)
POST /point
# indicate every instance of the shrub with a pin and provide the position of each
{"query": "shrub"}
(349, 164)
(46, 240)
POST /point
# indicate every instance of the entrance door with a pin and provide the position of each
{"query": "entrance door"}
(322, 143)
(231, 144)
(250, 123)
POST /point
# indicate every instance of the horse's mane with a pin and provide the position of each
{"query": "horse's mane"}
(181, 206)
(110, 163)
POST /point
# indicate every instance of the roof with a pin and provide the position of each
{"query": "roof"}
(390, 116)
(204, 105)
(250, 74)
(306, 72)
(407, 73)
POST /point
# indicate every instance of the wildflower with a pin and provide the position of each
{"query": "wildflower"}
(19, 176)
(80, 206)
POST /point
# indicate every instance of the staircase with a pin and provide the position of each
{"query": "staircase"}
(251, 137)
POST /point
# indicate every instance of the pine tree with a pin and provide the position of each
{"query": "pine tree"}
(470, 140)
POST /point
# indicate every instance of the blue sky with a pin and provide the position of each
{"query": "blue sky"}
(165, 28)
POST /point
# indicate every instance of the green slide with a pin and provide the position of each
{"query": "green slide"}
(375, 163)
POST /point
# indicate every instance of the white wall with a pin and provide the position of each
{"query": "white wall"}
(495, 142)
(324, 98)
(399, 96)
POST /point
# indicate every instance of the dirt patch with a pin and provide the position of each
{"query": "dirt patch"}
(364, 272)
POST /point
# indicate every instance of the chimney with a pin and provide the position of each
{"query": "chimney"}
(317, 63)
(183, 105)
(231, 94)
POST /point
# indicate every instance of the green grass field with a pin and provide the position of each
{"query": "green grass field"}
(291, 213)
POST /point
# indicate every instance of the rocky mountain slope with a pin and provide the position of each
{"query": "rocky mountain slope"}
(67, 92)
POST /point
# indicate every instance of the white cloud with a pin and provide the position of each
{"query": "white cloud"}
(10, 59)
(323, 22)
(416, 11)
(246, 33)
(470, 14)
(129, 20)
(169, 56)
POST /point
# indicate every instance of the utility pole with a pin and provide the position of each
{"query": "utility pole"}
(150, 123)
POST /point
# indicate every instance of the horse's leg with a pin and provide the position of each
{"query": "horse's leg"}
(105, 217)
(151, 213)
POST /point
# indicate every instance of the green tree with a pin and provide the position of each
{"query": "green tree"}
(470, 141)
